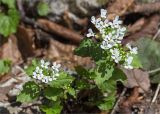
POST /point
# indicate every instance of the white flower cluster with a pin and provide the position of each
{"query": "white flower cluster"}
(112, 34)
(45, 72)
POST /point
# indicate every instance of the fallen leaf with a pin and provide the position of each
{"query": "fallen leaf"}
(9, 50)
(147, 49)
(25, 38)
(137, 78)
(119, 7)
(125, 105)
(148, 29)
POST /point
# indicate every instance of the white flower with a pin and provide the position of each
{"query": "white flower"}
(49, 78)
(129, 60)
(39, 76)
(106, 22)
(99, 24)
(103, 13)
(90, 33)
(106, 45)
(37, 69)
(128, 66)
(45, 79)
(93, 19)
(44, 64)
(43, 76)
(35, 75)
(128, 46)
(134, 50)
(108, 37)
(42, 61)
(56, 67)
(115, 55)
(116, 22)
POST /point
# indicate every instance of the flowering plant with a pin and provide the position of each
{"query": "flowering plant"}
(106, 49)
(58, 87)
(49, 82)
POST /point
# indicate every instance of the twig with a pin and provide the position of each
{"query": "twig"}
(156, 94)
(130, 101)
(32, 104)
(116, 105)
(156, 35)
(154, 71)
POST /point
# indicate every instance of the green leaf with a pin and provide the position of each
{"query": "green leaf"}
(106, 68)
(43, 8)
(9, 22)
(88, 48)
(136, 63)
(99, 80)
(107, 103)
(72, 92)
(149, 55)
(55, 109)
(111, 86)
(80, 84)
(52, 93)
(82, 71)
(9, 3)
(118, 75)
(5, 66)
(62, 81)
(108, 86)
(31, 68)
(30, 92)
(104, 83)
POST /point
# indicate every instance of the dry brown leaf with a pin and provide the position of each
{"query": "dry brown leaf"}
(126, 104)
(10, 50)
(3, 97)
(3, 93)
(148, 29)
(25, 41)
(119, 7)
(136, 26)
(137, 78)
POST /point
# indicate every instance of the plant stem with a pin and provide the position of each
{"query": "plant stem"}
(156, 94)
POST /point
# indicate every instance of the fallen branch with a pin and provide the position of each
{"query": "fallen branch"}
(60, 30)
(118, 101)
(147, 8)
